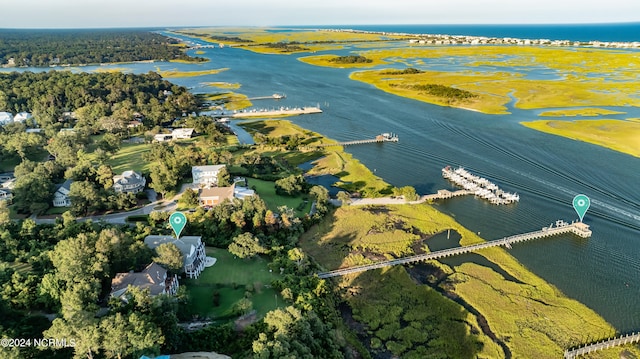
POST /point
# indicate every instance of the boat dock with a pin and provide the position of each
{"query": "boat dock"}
(283, 111)
(561, 227)
(383, 137)
(479, 186)
(275, 96)
(605, 344)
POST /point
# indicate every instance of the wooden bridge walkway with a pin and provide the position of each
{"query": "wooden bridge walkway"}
(561, 227)
(605, 344)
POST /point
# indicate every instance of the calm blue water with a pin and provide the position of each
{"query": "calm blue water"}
(627, 32)
(547, 171)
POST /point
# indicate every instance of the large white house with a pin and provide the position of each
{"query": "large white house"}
(206, 175)
(22, 117)
(153, 277)
(129, 182)
(192, 249)
(61, 196)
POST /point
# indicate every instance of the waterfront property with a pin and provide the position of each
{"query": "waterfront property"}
(578, 228)
(154, 278)
(61, 196)
(206, 175)
(129, 182)
(192, 249)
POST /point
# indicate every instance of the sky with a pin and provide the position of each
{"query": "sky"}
(156, 13)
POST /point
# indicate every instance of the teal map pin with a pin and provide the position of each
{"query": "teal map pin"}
(177, 221)
(581, 204)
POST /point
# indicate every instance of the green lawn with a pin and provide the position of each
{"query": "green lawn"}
(129, 157)
(231, 277)
(267, 191)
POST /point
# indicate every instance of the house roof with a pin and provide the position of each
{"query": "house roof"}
(186, 244)
(220, 192)
(128, 177)
(152, 278)
(210, 168)
(65, 185)
(22, 116)
(182, 132)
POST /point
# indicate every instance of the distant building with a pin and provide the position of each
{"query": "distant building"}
(182, 133)
(212, 196)
(129, 182)
(192, 249)
(5, 118)
(5, 195)
(162, 137)
(153, 277)
(22, 117)
(61, 196)
(206, 175)
(243, 192)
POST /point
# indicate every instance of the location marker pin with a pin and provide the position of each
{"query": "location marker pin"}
(581, 204)
(177, 221)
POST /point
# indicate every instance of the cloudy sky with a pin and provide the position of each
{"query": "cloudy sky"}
(143, 13)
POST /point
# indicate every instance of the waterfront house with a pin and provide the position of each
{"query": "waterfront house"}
(129, 182)
(211, 196)
(182, 133)
(191, 247)
(206, 175)
(61, 196)
(153, 277)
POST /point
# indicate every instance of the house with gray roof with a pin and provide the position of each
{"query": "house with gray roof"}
(154, 278)
(61, 196)
(206, 175)
(192, 249)
(129, 182)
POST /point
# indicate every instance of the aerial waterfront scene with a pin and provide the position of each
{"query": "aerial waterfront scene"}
(252, 181)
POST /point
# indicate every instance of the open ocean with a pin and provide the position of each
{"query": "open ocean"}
(624, 32)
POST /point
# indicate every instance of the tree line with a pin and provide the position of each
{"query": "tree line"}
(42, 48)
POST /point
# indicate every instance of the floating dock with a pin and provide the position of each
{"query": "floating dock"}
(479, 186)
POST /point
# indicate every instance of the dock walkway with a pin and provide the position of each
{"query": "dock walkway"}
(578, 228)
(605, 344)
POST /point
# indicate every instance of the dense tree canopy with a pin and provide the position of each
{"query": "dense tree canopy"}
(42, 48)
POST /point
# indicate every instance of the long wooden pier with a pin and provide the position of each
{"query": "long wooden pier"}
(605, 344)
(561, 227)
(385, 137)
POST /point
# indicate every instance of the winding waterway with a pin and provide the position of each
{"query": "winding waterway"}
(547, 171)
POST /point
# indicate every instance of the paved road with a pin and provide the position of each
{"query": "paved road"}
(121, 217)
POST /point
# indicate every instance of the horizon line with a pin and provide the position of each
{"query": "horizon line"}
(346, 26)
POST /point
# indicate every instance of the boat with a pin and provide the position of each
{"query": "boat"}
(479, 186)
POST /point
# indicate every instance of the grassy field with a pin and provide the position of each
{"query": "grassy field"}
(129, 157)
(585, 77)
(224, 85)
(175, 73)
(324, 60)
(618, 135)
(583, 112)
(267, 191)
(232, 277)
(231, 100)
(307, 40)
(533, 318)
